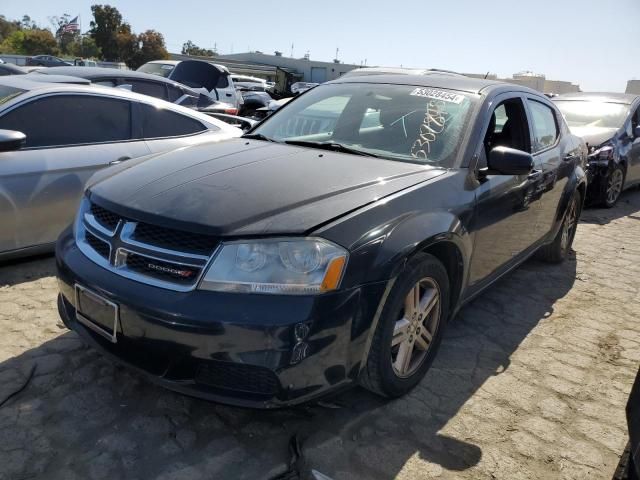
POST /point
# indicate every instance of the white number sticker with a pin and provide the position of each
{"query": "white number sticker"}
(437, 95)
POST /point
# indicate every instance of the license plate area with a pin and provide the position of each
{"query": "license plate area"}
(97, 313)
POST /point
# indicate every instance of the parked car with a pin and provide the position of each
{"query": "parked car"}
(137, 82)
(216, 79)
(70, 132)
(306, 257)
(365, 71)
(271, 107)
(609, 123)
(46, 61)
(11, 69)
(246, 82)
(300, 87)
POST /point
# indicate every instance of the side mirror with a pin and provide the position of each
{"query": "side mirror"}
(636, 131)
(509, 161)
(11, 140)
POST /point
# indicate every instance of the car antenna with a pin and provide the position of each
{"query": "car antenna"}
(485, 77)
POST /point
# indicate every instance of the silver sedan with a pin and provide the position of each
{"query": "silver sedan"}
(68, 132)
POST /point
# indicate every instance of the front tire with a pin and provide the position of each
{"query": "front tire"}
(615, 183)
(410, 328)
(557, 250)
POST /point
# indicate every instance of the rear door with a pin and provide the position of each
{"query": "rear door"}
(633, 170)
(553, 154)
(69, 137)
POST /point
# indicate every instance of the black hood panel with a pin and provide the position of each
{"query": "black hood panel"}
(594, 136)
(250, 187)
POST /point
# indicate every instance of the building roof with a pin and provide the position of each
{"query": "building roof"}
(610, 97)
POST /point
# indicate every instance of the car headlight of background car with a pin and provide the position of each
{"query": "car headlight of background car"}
(290, 266)
(601, 155)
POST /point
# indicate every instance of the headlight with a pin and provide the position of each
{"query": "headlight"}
(601, 155)
(290, 266)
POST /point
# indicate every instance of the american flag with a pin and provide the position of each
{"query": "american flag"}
(72, 26)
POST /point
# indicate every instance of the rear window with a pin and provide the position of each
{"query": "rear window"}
(7, 93)
(160, 123)
(162, 69)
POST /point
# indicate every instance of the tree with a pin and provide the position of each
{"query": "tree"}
(152, 47)
(106, 25)
(27, 23)
(65, 39)
(7, 27)
(84, 47)
(190, 48)
(33, 41)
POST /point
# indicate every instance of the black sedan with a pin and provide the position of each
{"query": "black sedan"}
(610, 125)
(47, 61)
(328, 247)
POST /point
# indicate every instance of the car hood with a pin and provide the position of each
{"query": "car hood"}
(594, 136)
(251, 187)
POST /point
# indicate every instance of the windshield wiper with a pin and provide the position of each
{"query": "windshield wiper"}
(336, 147)
(258, 136)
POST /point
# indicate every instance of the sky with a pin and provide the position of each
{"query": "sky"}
(594, 43)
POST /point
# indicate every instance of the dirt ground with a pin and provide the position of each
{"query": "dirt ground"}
(530, 383)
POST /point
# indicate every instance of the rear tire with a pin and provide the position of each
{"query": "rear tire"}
(410, 328)
(557, 250)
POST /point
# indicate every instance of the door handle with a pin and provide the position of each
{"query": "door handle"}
(229, 95)
(569, 157)
(120, 160)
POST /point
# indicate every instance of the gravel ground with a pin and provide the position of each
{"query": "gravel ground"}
(530, 383)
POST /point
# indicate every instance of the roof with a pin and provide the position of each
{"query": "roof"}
(176, 62)
(34, 87)
(398, 71)
(101, 72)
(435, 80)
(608, 97)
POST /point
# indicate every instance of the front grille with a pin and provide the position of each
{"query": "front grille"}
(174, 239)
(101, 247)
(238, 377)
(163, 270)
(104, 217)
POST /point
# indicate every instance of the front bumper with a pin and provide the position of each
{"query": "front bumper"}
(597, 176)
(249, 350)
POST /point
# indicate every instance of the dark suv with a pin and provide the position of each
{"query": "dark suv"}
(327, 247)
(610, 125)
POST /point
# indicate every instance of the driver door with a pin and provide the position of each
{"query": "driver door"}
(507, 207)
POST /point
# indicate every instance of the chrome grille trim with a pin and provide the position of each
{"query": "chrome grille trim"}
(121, 244)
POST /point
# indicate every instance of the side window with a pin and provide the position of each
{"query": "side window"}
(105, 82)
(152, 89)
(160, 123)
(508, 127)
(223, 81)
(70, 120)
(545, 128)
(174, 93)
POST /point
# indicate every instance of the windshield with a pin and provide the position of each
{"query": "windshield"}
(398, 122)
(7, 93)
(162, 69)
(580, 113)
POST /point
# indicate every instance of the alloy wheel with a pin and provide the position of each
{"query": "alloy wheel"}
(614, 186)
(416, 327)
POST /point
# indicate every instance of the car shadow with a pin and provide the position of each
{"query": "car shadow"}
(81, 412)
(627, 206)
(21, 270)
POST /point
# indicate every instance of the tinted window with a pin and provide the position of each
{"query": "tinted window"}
(152, 89)
(223, 81)
(174, 93)
(70, 120)
(545, 130)
(157, 123)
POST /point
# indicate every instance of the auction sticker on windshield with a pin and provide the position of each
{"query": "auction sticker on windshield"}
(437, 95)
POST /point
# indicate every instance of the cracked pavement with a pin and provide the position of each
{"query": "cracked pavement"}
(530, 383)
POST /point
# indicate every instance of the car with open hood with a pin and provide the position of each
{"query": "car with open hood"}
(329, 246)
(610, 125)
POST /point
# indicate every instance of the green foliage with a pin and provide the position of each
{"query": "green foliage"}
(33, 41)
(152, 47)
(106, 25)
(190, 48)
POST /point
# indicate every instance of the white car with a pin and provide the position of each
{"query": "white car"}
(54, 136)
(248, 82)
(215, 79)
